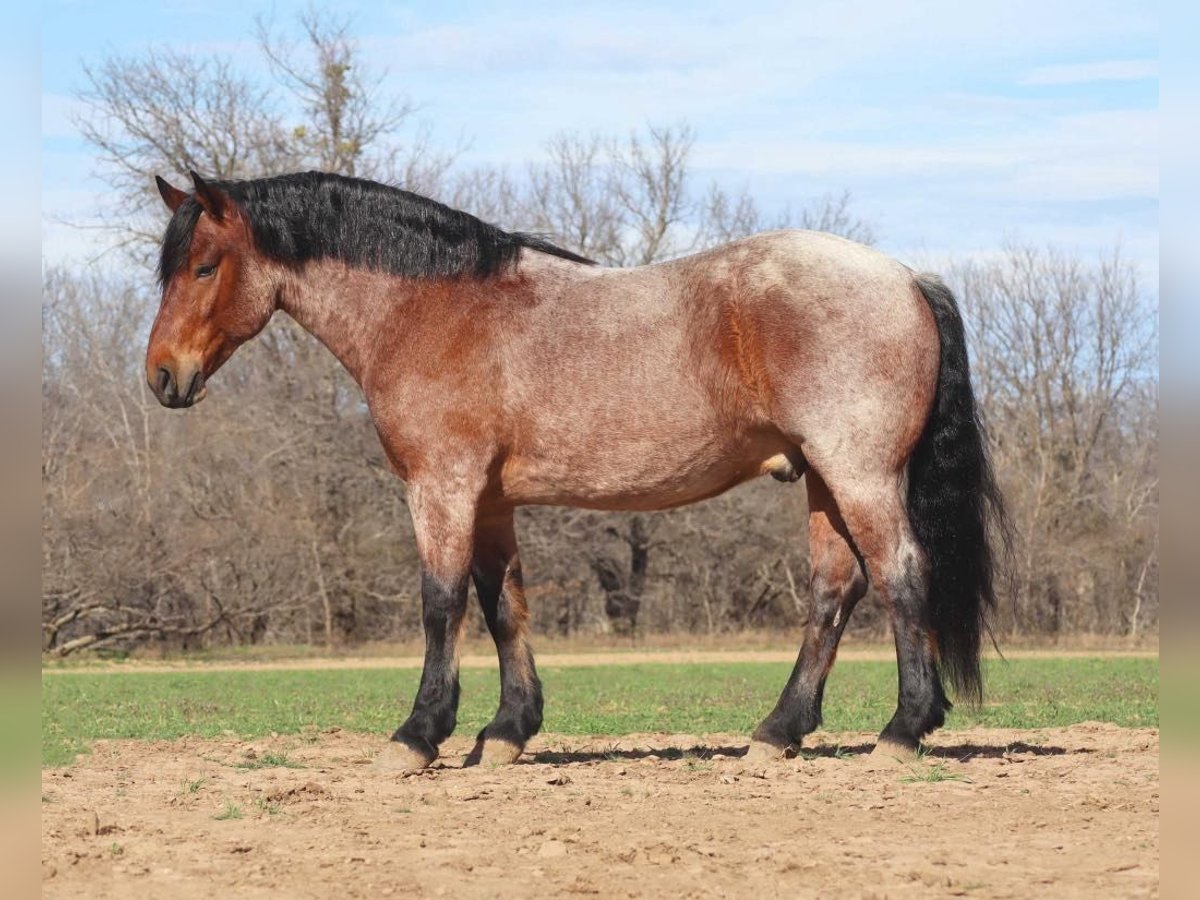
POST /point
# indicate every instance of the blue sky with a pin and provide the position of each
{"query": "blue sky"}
(955, 125)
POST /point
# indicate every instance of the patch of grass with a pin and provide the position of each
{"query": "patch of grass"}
(839, 752)
(697, 762)
(265, 805)
(80, 706)
(930, 774)
(231, 811)
(193, 786)
(271, 761)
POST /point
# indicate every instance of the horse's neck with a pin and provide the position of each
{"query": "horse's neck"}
(359, 314)
(342, 307)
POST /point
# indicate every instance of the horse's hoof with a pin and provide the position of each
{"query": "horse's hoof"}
(399, 757)
(493, 752)
(887, 750)
(761, 751)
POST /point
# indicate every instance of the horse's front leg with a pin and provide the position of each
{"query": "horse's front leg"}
(444, 521)
(497, 573)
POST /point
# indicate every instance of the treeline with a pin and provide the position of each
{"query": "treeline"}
(268, 514)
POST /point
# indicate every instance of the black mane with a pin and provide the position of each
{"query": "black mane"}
(316, 215)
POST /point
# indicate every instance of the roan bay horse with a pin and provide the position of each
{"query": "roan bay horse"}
(501, 370)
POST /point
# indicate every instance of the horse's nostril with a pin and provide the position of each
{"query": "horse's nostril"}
(194, 387)
(164, 379)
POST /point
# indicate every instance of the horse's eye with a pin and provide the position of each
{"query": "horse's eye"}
(205, 271)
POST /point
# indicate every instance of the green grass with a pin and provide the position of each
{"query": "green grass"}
(231, 811)
(930, 774)
(270, 761)
(80, 707)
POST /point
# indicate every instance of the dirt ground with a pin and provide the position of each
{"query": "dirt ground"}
(486, 659)
(988, 813)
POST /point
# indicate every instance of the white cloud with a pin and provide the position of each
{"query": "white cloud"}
(1087, 73)
(1078, 157)
(586, 34)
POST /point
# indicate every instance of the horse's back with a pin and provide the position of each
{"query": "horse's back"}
(809, 271)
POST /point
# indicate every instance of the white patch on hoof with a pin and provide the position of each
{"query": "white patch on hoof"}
(890, 750)
(398, 757)
(761, 751)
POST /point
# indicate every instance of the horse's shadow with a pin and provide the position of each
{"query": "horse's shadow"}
(967, 752)
(615, 754)
(958, 752)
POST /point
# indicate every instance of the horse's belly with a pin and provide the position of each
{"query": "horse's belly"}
(628, 420)
(638, 474)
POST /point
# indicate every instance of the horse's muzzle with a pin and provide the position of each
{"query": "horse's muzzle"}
(178, 389)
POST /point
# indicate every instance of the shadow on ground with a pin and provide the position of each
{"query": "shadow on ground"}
(960, 752)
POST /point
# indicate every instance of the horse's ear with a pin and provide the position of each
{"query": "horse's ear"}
(212, 199)
(172, 196)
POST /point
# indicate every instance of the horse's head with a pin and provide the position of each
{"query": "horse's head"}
(216, 292)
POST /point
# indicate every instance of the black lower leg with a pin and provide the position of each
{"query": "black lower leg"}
(798, 711)
(435, 709)
(520, 714)
(921, 704)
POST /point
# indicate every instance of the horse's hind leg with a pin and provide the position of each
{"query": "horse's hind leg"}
(877, 519)
(496, 569)
(837, 584)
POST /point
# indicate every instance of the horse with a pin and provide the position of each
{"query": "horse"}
(501, 370)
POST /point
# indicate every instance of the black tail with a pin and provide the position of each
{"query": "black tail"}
(954, 505)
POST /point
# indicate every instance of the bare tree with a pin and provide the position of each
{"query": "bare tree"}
(649, 180)
(832, 213)
(624, 202)
(1065, 356)
(171, 112)
(726, 217)
(624, 586)
(338, 97)
(351, 122)
(490, 193)
(569, 197)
